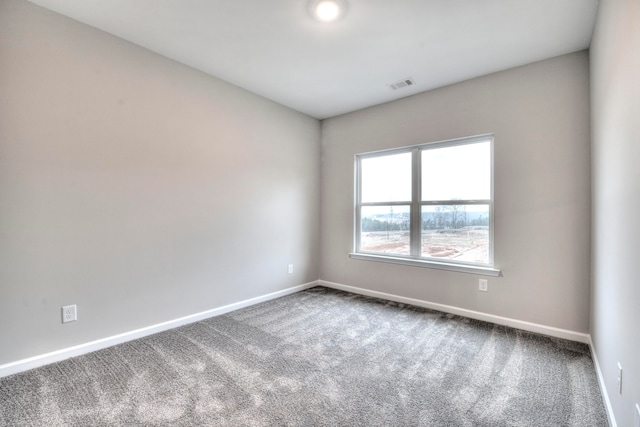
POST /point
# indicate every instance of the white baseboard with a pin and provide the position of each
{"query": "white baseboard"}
(519, 324)
(603, 388)
(65, 353)
(62, 354)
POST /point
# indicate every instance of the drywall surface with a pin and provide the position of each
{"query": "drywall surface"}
(137, 188)
(539, 115)
(615, 119)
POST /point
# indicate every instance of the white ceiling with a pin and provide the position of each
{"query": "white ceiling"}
(275, 49)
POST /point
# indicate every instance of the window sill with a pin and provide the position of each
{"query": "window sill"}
(461, 268)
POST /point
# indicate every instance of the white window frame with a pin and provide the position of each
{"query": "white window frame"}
(415, 259)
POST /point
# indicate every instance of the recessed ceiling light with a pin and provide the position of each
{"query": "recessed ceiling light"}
(327, 10)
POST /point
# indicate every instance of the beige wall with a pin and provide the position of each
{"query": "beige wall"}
(615, 308)
(137, 188)
(539, 114)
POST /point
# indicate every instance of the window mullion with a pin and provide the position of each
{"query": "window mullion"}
(405, 203)
(358, 205)
(455, 202)
(416, 210)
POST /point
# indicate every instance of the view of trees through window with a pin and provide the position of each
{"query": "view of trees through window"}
(386, 229)
(452, 228)
(455, 232)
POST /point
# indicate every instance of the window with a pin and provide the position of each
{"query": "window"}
(429, 205)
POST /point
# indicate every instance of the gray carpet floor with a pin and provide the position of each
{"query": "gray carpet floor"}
(317, 358)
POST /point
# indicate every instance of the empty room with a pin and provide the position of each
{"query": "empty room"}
(319, 212)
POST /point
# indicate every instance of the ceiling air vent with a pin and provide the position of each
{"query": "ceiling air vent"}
(403, 83)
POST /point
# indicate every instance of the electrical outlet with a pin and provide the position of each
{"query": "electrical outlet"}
(483, 285)
(69, 313)
(620, 378)
(290, 268)
(636, 418)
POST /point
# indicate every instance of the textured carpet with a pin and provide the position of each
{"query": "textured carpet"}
(318, 357)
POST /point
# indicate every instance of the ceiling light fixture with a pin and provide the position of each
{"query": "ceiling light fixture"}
(327, 10)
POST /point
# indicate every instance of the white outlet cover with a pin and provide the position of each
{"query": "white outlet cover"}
(69, 313)
(483, 285)
(620, 378)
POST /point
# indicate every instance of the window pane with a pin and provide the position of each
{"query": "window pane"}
(386, 178)
(456, 232)
(385, 229)
(460, 172)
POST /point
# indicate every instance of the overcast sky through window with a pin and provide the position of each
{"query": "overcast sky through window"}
(459, 172)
